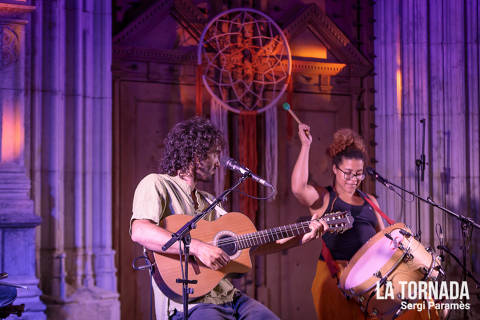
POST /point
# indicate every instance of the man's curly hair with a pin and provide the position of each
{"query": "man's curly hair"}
(347, 144)
(189, 141)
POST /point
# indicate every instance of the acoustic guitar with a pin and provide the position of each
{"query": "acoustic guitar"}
(235, 234)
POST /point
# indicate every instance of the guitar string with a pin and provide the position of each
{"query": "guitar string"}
(273, 232)
(257, 235)
(266, 234)
(277, 230)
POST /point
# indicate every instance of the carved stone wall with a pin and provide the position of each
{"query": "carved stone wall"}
(68, 72)
(18, 219)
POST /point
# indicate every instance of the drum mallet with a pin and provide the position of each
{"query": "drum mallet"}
(286, 106)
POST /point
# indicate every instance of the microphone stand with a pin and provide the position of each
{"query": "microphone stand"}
(465, 272)
(466, 223)
(468, 273)
(182, 235)
(420, 166)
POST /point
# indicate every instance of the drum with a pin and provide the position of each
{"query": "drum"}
(394, 255)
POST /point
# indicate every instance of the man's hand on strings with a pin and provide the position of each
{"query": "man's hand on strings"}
(211, 256)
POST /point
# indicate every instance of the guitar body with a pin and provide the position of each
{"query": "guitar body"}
(168, 265)
(234, 233)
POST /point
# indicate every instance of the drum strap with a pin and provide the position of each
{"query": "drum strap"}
(331, 263)
(327, 255)
(366, 197)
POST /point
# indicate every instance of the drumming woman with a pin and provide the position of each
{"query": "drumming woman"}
(348, 154)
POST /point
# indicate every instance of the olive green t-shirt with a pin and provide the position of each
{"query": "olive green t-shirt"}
(160, 195)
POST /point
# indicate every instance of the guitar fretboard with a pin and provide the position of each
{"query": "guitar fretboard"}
(269, 235)
(337, 222)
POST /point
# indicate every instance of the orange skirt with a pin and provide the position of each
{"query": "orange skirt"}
(330, 303)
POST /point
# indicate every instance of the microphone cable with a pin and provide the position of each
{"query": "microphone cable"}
(151, 267)
(269, 196)
(258, 198)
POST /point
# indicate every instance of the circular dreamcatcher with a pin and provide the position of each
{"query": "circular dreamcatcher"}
(245, 64)
(246, 61)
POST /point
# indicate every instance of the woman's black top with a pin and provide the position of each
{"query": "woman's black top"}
(344, 245)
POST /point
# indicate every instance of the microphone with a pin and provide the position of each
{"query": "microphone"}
(235, 166)
(440, 234)
(441, 237)
(378, 177)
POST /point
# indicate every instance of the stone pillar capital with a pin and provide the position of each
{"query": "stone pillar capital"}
(14, 12)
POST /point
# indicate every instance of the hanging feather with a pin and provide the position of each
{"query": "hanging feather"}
(247, 154)
(271, 147)
(219, 117)
(289, 100)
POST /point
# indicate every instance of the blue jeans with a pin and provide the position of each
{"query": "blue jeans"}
(7, 295)
(241, 308)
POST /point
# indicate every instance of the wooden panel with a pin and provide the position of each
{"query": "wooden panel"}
(286, 278)
(145, 112)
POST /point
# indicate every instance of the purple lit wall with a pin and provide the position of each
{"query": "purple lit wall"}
(427, 67)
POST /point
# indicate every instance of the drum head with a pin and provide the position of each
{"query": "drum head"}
(372, 257)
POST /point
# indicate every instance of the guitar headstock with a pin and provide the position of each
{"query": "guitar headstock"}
(338, 221)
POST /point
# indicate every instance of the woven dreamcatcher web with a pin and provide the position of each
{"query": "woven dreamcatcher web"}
(246, 60)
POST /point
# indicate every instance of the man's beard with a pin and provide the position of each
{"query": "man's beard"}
(204, 175)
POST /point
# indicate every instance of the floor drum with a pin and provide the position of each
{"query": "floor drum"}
(393, 254)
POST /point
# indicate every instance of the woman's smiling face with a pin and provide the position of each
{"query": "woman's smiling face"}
(349, 174)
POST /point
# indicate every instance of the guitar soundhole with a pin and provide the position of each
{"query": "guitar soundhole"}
(228, 244)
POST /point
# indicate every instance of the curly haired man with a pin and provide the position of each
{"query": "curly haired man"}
(191, 154)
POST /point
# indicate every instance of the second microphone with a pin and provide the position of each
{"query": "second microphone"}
(235, 166)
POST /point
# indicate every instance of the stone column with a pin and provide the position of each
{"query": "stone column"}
(71, 155)
(17, 216)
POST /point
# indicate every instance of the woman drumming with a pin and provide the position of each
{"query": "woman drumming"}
(348, 154)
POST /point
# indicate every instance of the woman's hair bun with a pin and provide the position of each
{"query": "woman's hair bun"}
(344, 139)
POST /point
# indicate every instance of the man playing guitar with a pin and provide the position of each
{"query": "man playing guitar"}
(191, 154)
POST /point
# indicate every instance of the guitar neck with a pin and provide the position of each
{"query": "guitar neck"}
(270, 235)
